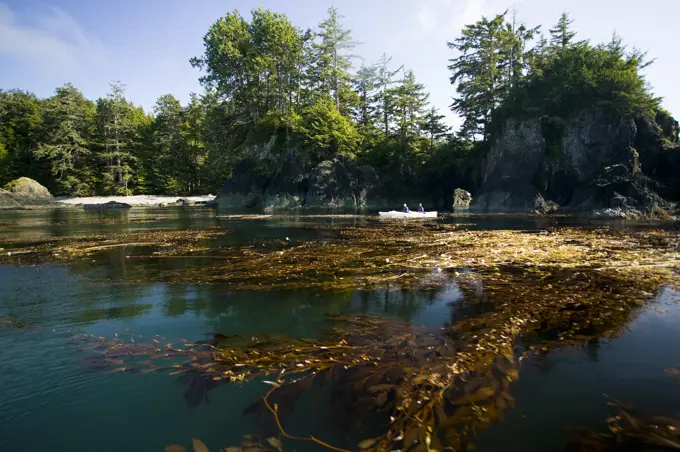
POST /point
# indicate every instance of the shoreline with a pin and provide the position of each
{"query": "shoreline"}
(135, 200)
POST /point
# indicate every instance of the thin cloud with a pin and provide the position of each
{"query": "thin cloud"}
(445, 18)
(49, 38)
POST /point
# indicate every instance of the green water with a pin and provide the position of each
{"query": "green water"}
(51, 399)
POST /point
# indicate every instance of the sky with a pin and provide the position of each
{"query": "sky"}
(147, 44)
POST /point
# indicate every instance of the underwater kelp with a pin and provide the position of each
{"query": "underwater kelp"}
(627, 432)
(429, 389)
(434, 389)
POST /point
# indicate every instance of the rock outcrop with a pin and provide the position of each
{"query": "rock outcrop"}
(7, 200)
(461, 198)
(111, 205)
(587, 162)
(337, 183)
(24, 192)
(340, 183)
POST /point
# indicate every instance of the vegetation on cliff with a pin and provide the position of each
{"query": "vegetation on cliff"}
(269, 85)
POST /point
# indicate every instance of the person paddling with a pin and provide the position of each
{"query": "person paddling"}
(421, 209)
(405, 209)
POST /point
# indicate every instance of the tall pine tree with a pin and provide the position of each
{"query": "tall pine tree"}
(68, 124)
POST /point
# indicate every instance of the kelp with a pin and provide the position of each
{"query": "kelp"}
(433, 389)
(628, 432)
(249, 443)
(368, 256)
(158, 242)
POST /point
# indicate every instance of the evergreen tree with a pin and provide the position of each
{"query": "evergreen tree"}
(68, 126)
(366, 111)
(410, 101)
(192, 135)
(384, 97)
(518, 57)
(562, 34)
(478, 73)
(332, 63)
(168, 146)
(20, 137)
(434, 127)
(116, 140)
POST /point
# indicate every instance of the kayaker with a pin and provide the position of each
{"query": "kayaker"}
(421, 209)
(405, 209)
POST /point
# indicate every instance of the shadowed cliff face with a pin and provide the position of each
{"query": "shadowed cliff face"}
(583, 162)
(337, 183)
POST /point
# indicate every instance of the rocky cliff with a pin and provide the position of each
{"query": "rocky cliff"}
(337, 183)
(586, 162)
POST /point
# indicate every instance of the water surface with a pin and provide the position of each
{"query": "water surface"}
(51, 399)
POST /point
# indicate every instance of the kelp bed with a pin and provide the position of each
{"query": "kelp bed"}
(369, 256)
(430, 390)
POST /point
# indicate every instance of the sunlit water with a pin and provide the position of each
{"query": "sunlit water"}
(50, 400)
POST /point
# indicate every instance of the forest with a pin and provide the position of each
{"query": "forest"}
(271, 86)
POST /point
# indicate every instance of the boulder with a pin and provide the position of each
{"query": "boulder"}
(461, 198)
(545, 207)
(111, 205)
(181, 202)
(7, 200)
(27, 192)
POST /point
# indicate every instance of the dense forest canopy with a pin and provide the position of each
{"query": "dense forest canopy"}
(270, 86)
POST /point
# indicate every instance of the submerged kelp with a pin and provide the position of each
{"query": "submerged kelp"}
(434, 389)
(627, 432)
(428, 389)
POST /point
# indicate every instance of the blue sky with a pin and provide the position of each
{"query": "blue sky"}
(147, 43)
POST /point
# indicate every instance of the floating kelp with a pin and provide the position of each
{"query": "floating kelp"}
(370, 255)
(158, 242)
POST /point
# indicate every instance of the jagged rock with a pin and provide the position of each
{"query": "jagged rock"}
(111, 205)
(574, 162)
(181, 202)
(461, 198)
(27, 192)
(544, 207)
(340, 183)
(288, 187)
(337, 183)
(618, 213)
(618, 201)
(617, 191)
(501, 200)
(245, 187)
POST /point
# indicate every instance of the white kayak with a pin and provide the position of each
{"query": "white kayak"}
(414, 215)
